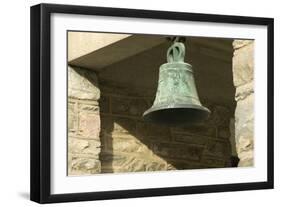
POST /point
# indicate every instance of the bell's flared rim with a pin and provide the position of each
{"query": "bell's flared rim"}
(176, 114)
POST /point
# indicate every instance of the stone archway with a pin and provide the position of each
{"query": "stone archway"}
(120, 141)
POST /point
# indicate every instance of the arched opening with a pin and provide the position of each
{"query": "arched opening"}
(122, 77)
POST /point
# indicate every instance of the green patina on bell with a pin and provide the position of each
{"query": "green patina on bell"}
(176, 100)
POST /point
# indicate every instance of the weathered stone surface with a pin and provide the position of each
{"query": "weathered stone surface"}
(245, 137)
(128, 106)
(72, 117)
(126, 144)
(92, 107)
(129, 145)
(243, 65)
(84, 166)
(83, 122)
(246, 162)
(112, 162)
(244, 90)
(126, 163)
(244, 114)
(241, 43)
(155, 166)
(244, 130)
(245, 144)
(175, 150)
(77, 146)
(89, 125)
(83, 84)
(133, 165)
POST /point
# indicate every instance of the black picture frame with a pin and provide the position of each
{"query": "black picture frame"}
(41, 99)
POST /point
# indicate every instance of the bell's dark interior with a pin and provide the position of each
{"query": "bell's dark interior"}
(189, 115)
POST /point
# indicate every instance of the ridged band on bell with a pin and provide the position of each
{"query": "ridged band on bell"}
(176, 100)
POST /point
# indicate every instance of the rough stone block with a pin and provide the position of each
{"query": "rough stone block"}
(82, 84)
(244, 116)
(82, 146)
(126, 163)
(245, 142)
(107, 157)
(72, 117)
(241, 43)
(91, 107)
(110, 162)
(243, 65)
(133, 164)
(89, 125)
(244, 91)
(244, 130)
(156, 166)
(246, 162)
(84, 166)
(129, 145)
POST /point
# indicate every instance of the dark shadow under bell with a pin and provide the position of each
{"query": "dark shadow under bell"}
(177, 115)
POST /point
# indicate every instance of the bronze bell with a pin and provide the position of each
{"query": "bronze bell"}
(176, 100)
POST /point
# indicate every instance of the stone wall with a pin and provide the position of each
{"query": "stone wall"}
(243, 78)
(83, 122)
(106, 132)
(129, 144)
